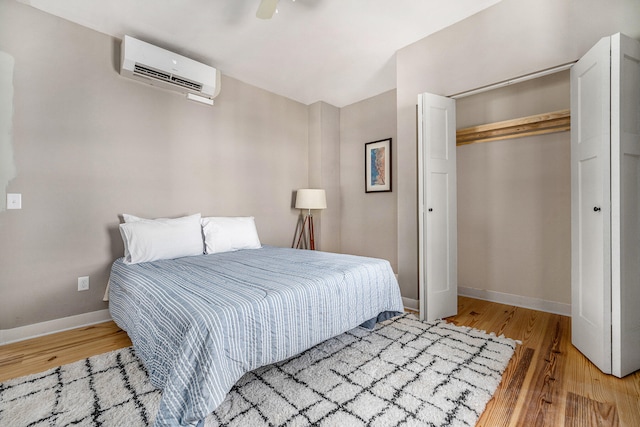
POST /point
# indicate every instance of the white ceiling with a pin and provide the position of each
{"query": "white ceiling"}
(337, 51)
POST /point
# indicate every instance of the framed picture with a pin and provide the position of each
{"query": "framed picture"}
(377, 166)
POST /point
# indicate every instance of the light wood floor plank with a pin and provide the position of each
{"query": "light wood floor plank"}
(548, 382)
(40, 354)
(584, 411)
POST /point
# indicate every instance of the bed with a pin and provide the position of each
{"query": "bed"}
(199, 323)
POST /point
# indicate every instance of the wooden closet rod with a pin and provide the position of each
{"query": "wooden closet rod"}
(557, 121)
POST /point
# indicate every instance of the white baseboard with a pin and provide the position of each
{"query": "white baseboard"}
(517, 300)
(52, 326)
(410, 303)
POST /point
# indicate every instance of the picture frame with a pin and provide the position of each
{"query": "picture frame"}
(377, 166)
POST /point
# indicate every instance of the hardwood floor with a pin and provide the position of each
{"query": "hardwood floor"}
(547, 383)
(40, 354)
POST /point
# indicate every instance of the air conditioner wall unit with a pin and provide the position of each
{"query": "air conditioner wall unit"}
(159, 67)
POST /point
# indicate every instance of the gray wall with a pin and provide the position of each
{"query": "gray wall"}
(89, 145)
(509, 39)
(368, 219)
(324, 172)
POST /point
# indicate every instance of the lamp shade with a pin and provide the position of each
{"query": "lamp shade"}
(308, 198)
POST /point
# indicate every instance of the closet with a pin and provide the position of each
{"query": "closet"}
(439, 202)
(438, 221)
(605, 205)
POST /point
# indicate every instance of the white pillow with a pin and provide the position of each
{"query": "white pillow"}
(225, 234)
(149, 240)
(131, 218)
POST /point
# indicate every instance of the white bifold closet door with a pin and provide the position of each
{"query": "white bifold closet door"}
(605, 205)
(437, 207)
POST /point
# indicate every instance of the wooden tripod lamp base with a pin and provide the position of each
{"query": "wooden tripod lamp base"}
(308, 223)
(309, 199)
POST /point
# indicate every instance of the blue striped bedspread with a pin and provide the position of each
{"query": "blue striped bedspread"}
(199, 323)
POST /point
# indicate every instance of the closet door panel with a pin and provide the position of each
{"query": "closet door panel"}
(626, 299)
(437, 230)
(625, 204)
(591, 231)
(437, 207)
(590, 206)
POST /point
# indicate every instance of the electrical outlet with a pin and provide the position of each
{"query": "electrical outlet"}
(14, 201)
(83, 283)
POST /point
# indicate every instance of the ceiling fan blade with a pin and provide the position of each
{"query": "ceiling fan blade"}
(266, 9)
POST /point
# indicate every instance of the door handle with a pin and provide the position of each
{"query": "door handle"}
(596, 209)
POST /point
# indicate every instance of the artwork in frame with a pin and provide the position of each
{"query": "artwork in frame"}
(377, 166)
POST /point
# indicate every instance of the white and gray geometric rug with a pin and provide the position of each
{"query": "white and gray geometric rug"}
(403, 373)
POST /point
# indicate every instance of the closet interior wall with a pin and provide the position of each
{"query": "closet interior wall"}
(514, 198)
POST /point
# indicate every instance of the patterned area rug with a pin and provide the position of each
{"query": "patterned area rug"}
(405, 372)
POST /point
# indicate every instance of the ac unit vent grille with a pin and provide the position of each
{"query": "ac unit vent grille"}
(150, 72)
(141, 70)
(186, 83)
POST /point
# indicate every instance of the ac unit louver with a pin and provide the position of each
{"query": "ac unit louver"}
(159, 67)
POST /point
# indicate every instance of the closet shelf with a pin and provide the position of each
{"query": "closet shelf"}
(557, 121)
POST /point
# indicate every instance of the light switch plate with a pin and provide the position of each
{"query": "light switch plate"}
(14, 201)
